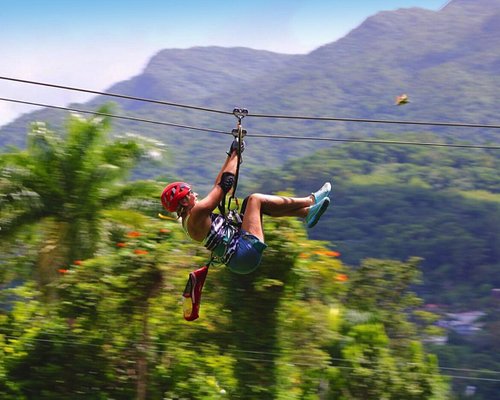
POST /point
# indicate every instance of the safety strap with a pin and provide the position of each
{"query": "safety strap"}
(232, 215)
(238, 133)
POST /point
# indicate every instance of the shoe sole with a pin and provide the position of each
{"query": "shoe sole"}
(324, 206)
(192, 294)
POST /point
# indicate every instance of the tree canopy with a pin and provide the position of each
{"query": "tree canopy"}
(297, 328)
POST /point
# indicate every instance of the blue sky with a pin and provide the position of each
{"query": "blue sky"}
(93, 44)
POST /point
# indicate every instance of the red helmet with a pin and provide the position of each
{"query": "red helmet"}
(173, 193)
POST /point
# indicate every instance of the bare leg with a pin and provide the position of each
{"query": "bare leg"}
(275, 206)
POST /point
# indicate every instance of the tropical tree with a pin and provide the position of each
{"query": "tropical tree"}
(60, 184)
(288, 331)
(383, 287)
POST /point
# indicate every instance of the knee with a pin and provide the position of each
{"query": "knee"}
(253, 199)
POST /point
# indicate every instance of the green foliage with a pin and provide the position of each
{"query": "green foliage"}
(64, 183)
(393, 202)
(397, 202)
(380, 355)
(383, 287)
(283, 332)
(300, 327)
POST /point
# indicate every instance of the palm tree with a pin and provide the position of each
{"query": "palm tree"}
(62, 183)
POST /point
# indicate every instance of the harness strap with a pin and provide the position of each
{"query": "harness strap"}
(238, 133)
(233, 216)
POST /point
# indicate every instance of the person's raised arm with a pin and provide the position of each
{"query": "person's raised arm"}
(199, 222)
(222, 184)
(231, 162)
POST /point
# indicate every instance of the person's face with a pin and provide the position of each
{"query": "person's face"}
(190, 200)
(193, 197)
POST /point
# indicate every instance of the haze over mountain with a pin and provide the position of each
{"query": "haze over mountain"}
(448, 62)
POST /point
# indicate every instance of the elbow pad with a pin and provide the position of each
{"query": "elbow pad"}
(227, 181)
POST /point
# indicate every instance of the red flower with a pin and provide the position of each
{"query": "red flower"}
(163, 230)
(133, 234)
(140, 252)
(62, 271)
(328, 253)
(342, 277)
(121, 244)
(78, 262)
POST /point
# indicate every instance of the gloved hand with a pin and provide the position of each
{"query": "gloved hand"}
(234, 146)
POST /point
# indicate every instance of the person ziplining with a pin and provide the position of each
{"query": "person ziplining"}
(237, 239)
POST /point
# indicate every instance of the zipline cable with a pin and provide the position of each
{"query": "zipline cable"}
(135, 119)
(377, 141)
(311, 358)
(260, 360)
(328, 139)
(121, 96)
(269, 116)
(377, 121)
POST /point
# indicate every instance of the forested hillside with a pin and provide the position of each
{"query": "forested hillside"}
(442, 205)
(398, 201)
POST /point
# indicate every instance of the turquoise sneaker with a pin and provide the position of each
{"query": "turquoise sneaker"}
(322, 193)
(316, 211)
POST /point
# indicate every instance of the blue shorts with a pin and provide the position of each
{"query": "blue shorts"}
(248, 254)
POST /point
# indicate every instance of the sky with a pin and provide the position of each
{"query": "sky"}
(93, 44)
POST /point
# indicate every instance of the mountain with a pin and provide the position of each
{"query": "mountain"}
(448, 62)
(198, 73)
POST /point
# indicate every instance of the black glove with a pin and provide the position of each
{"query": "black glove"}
(234, 147)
